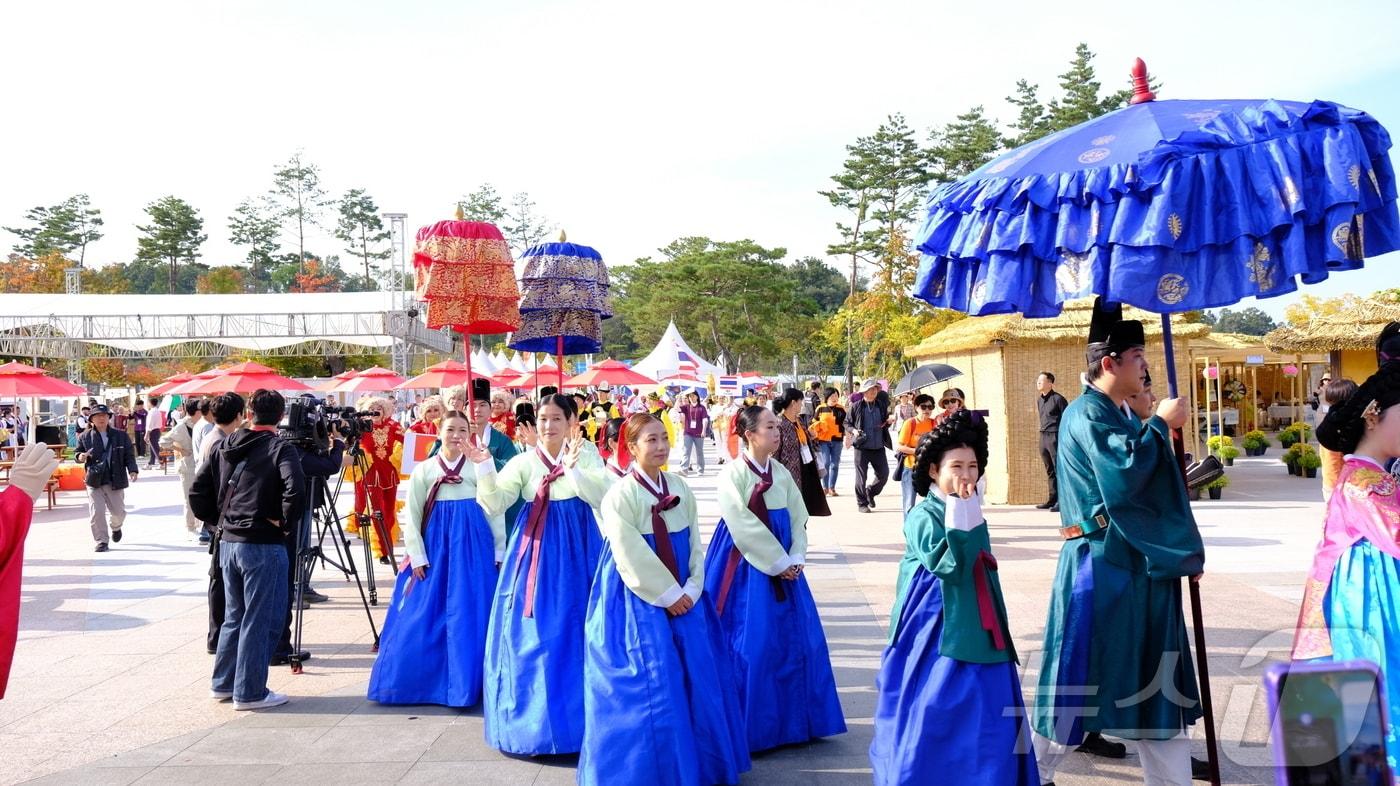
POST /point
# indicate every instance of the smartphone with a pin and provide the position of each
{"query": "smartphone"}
(1329, 724)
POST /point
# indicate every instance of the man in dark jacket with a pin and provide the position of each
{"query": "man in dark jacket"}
(255, 489)
(1049, 405)
(109, 466)
(867, 426)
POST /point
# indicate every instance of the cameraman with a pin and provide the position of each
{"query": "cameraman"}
(254, 487)
(320, 453)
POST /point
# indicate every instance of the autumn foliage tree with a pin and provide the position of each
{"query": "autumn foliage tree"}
(22, 274)
(315, 278)
(221, 281)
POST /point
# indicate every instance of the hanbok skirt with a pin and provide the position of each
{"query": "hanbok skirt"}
(434, 638)
(1362, 609)
(660, 704)
(534, 665)
(782, 666)
(935, 714)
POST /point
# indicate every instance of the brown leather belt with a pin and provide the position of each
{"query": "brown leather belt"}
(1080, 530)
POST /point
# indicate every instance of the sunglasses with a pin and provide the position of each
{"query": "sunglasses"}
(926, 408)
(947, 401)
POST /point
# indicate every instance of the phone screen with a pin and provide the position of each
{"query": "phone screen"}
(1332, 734)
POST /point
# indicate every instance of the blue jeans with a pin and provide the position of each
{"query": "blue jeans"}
(255, 604)
(906, 485)
(831, 450)
(697, 444)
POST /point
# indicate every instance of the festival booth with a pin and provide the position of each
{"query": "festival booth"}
(1001, 356)
(1246, 385)
(673, 358)
(1346, 340)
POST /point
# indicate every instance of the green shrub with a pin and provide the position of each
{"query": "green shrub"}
(1309, 459)
(1256, 439)
(1219, 441)
(1229, 452)
(1219, 483)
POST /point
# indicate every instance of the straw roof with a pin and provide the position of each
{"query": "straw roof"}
(1353, 328)
(1239, 347)
(1072, 325)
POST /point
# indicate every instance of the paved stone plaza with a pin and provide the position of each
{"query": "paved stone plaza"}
(111, 676)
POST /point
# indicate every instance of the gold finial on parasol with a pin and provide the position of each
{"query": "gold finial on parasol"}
(563, 236)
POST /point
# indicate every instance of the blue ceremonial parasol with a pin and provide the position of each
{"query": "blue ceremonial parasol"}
(565, 296)
(1169, 206)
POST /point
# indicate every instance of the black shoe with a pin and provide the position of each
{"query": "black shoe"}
(384, 560)
(1055, 508)
(1044, 506)
(864, 508)
(101, 547)
(1095, 744)
(1200, 770)
(312, 596)
(204, 538)
(284, 658)
(116, 536)
(871, 503)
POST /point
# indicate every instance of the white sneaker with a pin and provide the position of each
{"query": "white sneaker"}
(272, 699)
(221, 695)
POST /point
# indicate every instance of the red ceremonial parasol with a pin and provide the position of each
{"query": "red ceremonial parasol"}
(329, 385)
(243, 377)
(376, 380)
(465, 273)
(613, 372)
(169, 382)
(20, 381)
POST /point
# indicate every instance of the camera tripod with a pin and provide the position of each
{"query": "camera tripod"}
(327, 522)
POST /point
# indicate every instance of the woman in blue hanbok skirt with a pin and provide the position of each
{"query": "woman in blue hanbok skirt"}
(434, 636)
(753, 571)
(948, 696)
(660, 704)
(533, 693)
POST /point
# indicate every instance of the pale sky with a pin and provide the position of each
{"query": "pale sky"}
(629, 123)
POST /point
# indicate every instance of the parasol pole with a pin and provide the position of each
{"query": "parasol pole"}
(1194, 588)
(559, 358)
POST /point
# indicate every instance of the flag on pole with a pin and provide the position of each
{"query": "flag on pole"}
(686, 364)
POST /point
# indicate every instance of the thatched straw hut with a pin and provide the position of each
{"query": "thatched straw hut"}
(1273, 384)
(1000, 357)
(1348, 338)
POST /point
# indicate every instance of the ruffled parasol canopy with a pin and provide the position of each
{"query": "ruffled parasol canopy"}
(566, 294)
(464, 272)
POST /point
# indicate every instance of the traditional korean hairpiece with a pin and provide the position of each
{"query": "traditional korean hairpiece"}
(962, 429)
(1345, 425)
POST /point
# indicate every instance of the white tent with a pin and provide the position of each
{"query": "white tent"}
(499, 360)
(517, 363)
(665, 360)
(481, 361)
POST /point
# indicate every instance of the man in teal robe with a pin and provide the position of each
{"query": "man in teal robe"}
(1117, 659)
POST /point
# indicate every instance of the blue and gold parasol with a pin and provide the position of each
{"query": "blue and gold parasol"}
(565, 296)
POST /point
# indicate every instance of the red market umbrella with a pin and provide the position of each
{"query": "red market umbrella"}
(330, 384)
(243, 377)
(613, 372)
(371, 380)
(164, 386)
(544, 376)
(510, 378)
(184, 388)
(444, 375)
(20, 381)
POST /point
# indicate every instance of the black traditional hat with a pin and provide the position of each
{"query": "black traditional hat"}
(1110, 335)
(481, 389)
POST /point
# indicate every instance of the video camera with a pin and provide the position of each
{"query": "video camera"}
(309, 422)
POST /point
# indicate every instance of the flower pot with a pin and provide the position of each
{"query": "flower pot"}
(1293, 469)
(1262, 450)
(1310, 472)
(1230, 462)
(1194, 494)
(1215, 493)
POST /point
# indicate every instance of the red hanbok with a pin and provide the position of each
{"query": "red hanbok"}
(378, 486)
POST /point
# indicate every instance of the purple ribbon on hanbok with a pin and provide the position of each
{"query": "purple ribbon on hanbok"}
(534, 529)
(665, 501)
(451, 476)
(759, 507)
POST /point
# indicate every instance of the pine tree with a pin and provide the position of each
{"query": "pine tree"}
(298, 199)
(483, 204)
(524, 227)
(173, 236)
(253, 225)
(963, 145)
(362, 230)
(1031, 121)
